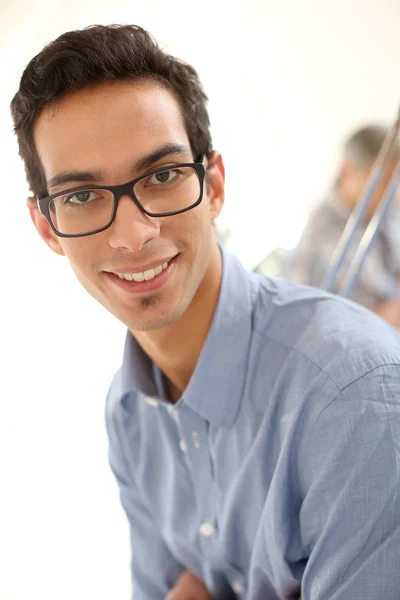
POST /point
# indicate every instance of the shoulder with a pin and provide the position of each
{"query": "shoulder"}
(336, 336)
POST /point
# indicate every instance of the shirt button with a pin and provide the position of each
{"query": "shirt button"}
(207, 528)
(196, 440)
(237, 588)
(172, 412)
(151, 401)
(182, 446)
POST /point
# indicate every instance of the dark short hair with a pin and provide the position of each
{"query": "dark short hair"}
(84, 58)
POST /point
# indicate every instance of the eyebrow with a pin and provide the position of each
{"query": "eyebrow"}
(96, 176)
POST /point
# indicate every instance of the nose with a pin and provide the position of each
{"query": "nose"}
(132, 228)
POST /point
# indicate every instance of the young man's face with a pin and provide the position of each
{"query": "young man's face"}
(109, 130)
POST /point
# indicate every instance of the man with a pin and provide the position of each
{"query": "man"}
(254, 425)
(377, 287)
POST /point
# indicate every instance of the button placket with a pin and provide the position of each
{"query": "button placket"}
(195, 434)
(173, 412)
(151, 401)
(183, 446)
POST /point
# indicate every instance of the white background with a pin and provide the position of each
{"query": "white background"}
(287, 81)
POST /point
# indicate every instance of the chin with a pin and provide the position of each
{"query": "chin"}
(151, 324)
(150, 316)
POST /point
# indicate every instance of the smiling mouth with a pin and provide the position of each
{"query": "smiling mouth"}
(143, 275)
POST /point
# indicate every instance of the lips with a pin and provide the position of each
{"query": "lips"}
(152, 278)
(143, 275)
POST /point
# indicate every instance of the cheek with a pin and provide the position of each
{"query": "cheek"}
(81, 254)
(195, 223)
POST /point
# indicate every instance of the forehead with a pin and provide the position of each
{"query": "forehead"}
(108, 127)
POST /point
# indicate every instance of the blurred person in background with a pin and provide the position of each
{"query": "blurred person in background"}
(226, 419)
(377, 287)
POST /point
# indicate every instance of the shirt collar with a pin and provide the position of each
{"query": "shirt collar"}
(217, 384)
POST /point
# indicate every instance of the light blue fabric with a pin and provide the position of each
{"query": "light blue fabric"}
(278, 468)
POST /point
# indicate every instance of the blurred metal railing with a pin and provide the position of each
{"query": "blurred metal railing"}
(385, 157)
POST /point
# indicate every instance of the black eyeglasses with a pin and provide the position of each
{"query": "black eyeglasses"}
(164, 192)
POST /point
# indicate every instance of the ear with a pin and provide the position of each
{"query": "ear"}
(42, 226)
(215, 182)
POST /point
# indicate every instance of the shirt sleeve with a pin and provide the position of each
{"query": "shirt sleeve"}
(154, 569)
(350, 516)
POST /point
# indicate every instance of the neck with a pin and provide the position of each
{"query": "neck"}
(175, 349)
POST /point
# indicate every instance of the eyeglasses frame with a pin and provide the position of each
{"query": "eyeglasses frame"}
(125, 189)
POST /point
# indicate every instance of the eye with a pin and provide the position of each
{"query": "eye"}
(163, 177)
(81, 197)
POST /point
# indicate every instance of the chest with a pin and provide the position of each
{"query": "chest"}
(217, 495)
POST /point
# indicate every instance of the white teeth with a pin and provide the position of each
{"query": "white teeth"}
(138, 276)
(145, 275)
(150, 274)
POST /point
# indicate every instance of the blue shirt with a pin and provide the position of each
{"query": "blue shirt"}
(277, 471)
